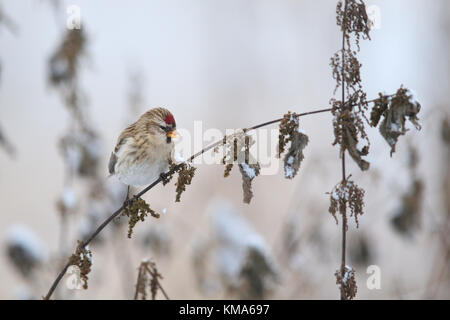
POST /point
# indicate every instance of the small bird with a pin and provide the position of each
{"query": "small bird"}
(143, 150)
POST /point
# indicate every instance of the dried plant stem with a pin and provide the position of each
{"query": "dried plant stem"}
(154, 275)
(139, 280)
(343, 208)
(143, 268)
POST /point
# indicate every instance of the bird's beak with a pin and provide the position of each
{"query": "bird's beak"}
(173, 134)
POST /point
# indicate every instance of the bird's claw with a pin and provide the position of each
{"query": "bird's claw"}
(164, 178)
(129, 201)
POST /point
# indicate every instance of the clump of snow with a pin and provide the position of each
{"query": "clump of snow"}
(289, 172)
(82, 151)
(412, 96)
(69, 198)
(348, 274)
(249, 171)
(73, 157)
(178, 158)
(88, 254)
(290, 160)
(342, 191)
(395, 127)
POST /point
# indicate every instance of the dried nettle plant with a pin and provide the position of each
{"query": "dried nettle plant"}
(350, 120)
(148, 281)
(388, 112)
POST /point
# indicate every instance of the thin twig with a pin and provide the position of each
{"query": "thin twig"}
(138, 282)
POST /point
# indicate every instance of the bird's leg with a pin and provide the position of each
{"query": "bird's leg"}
(164, 178)
(127, 201)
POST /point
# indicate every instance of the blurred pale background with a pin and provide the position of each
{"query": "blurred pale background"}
(230, 64)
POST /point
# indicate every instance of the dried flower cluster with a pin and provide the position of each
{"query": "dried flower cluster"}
(148, 281)
(290, 132)
(237, 149)
(349, 112)
(64, 62)
(347, 195)
(80, 145)
(347, 283)
(185, 174)
(82, 258)
(137, 210)
(349, 129)
(395, 110)
(352, 17)
(81, 151)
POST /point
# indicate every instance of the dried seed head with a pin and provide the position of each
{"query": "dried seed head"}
(347, 282)
(239, 151)
(63, 63)
(148, 280)
(137, 211)
(347, 195)
(291, 133)
(185, 175)
(82, 258)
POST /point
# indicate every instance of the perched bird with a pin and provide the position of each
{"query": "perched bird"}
(142, 152)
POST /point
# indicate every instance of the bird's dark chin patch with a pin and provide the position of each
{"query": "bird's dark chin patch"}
(168, 139)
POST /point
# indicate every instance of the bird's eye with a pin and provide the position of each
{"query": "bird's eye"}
(163, 128)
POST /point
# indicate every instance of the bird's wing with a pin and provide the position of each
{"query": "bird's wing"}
(124, 136)
(112, 163)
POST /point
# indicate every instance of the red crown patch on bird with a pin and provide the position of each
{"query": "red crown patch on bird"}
(169, 119)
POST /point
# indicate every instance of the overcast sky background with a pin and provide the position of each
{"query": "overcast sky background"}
(229, 64)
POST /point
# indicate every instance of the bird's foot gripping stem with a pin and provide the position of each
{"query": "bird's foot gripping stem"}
(129, 201)
(164, 178)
